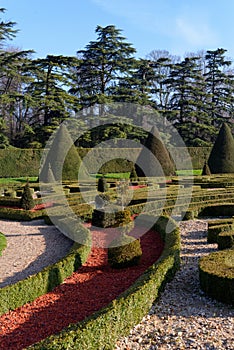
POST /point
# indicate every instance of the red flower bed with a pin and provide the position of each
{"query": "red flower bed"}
(89, 289)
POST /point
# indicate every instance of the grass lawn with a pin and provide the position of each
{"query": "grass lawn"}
(10, 180)
(3, 243)
(189, 172)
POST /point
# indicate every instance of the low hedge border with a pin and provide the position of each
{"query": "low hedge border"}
(3, 242)
(214, 231)
(29, 289)
(102, 329)
(21, 214)
(216, 274)
(225, 240)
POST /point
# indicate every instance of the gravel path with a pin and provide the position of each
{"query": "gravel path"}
(183, 317)
(31, 246)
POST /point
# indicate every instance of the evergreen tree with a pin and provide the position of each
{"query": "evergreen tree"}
(26, 201)
(154, 159)
(102, 63)
(221, 159)
(219, 85)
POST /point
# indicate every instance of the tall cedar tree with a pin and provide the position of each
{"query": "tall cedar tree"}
(219, 84)
(102, 64)
(221, 159)
(154, 159)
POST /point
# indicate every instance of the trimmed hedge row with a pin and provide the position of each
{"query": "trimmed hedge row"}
(16, 162)
(102, 329)
(214, 231)
(216, 273)
(21, 214)
(225, 240)
(29, 289)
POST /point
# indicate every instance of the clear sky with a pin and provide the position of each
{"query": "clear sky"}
(65, 26)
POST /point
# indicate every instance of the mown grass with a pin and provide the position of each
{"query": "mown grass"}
(7, 180)
(3, 242)
(189, 172)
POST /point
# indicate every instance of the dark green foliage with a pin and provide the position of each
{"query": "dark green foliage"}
(206, 169)
(216, 275)
(27, 290)
(214, 231)
(221, 159)
(124, 251)
(103, 219)
(102, 185)
(187, 215)
(27, 201)
(3, 242)
(102, 329)
(63, 158)
(133, 173)
(147, 165)
(21, 215)
(225, 240)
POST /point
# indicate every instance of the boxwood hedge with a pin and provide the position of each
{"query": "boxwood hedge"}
(102, 329)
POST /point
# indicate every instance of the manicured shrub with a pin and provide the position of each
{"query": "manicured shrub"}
(214, 231)
(62, 159)
(26, 201)
(221, 159)
(187, 215)
(102, 185)
(216, 274)
(147, 165)
(124, 251)
(133, 174)
(206, 169)
(225, 240)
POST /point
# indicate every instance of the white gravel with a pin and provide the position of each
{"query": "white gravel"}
(183, 317)
(31, 246)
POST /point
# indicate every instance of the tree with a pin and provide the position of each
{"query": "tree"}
(219, 85)
(188, 98)
(101, 65)
(221, 159)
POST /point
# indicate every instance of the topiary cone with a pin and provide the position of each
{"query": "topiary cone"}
(221, 159)
(154, 159)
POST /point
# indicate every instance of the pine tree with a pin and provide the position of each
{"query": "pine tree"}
(154, 159)
(26, 201)
(221, 159)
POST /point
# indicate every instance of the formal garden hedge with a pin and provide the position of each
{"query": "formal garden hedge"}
(16, 162)
(27, 290)
(216, 273)
(102, 329)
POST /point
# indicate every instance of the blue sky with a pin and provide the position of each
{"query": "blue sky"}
(65, 26)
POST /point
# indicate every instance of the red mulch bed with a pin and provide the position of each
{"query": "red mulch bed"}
(89, 289)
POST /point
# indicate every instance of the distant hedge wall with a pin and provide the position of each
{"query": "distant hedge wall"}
(16, 162)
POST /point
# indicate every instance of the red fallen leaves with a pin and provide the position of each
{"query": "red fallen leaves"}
(89, 289)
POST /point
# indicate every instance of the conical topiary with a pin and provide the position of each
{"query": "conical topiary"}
(221, 159)
(124, 251)
(147, 165)
(206, 169)
(102, 185)
(62, 158)
(27, 201)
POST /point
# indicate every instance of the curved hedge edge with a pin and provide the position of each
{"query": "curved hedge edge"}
(3, 242)
(21, 214)
(216, 277)
(103, 328)
(27, 290)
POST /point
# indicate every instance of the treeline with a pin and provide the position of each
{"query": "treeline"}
(194, 93)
